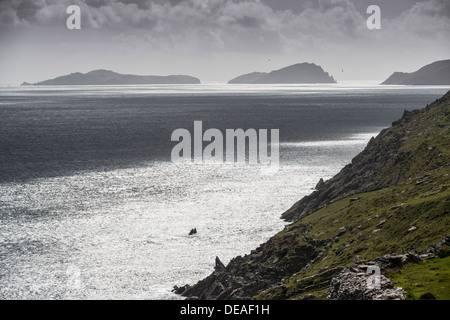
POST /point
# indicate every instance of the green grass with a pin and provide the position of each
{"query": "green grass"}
(431, 276)
(364, 240)
(428, 213)
(425, 207)
(409, 216)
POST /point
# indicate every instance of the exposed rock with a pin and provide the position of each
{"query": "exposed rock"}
(219, 265)
(193, 231)
(245, 276)
(442, 249)
(320, 280)
(397, 206)
(320, 184)
(390, 261)
(381, 223)
(354, 286)
(341, 231)
(178, 290)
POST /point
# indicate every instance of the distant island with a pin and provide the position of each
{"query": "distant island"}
(437, 73)
(106, 77)
(301, 73)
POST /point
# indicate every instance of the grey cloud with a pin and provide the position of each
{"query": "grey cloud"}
(96, 3)
(433, 8)
(425, 21)
(215, 36)
(146, 4)
(27, 9)
(141, 4)
(231, 25)
(326, 5)
(250, 22)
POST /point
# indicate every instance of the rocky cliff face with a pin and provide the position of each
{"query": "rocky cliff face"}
(265, 266)
(393, 198)
(380, 165)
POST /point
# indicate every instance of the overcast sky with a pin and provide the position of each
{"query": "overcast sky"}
(216, 40)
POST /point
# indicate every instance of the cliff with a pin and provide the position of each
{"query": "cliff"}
(302, 73)
(389, 208)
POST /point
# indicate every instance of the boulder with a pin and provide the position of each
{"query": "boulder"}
(320, 185)
(355, 286)
(219, 265)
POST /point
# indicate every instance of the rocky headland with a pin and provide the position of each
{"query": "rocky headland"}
(388, 208)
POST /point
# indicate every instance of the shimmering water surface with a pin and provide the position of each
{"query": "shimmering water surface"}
(92, 207)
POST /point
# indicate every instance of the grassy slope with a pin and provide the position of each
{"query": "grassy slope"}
(431, 276)
(411, 215)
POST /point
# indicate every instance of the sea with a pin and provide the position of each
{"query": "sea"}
(92, 207)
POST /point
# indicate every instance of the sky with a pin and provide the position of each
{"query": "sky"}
(217, 40)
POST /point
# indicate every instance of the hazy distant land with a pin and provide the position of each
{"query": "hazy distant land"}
(437, 73)
(106, 77)
(298, 73)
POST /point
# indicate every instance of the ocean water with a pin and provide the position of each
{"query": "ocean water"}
(91, 207)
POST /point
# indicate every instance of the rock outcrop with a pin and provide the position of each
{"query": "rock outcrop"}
(357, 283)
(354, 286)
(264, 267)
